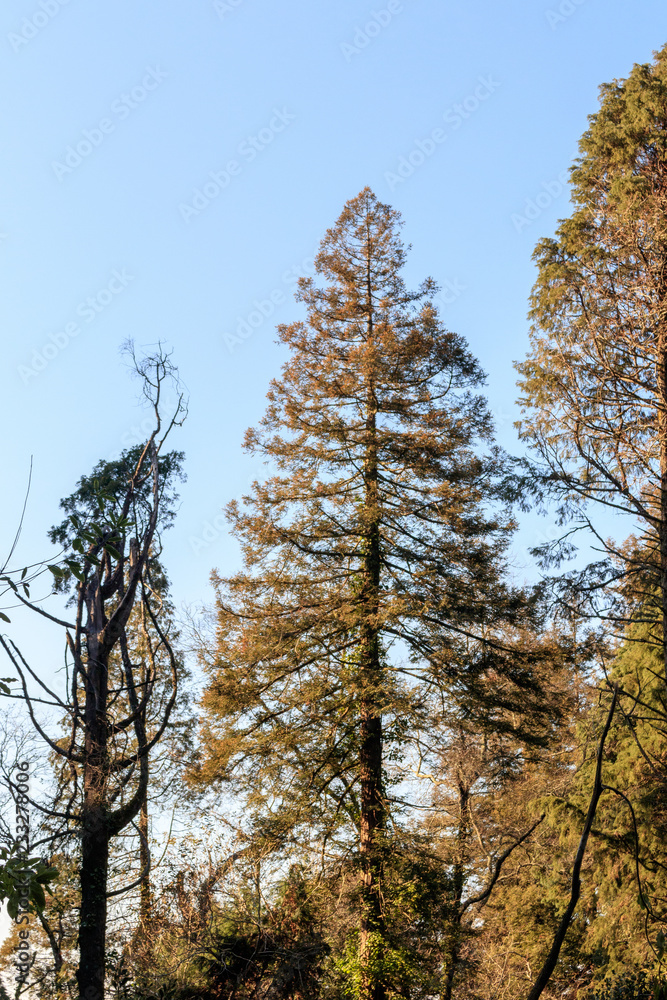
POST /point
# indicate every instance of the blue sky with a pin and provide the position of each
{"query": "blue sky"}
(169, 169)
(462, 115)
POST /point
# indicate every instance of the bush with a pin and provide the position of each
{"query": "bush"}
(635, 986)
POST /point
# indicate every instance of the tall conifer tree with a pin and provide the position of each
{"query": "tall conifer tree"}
(595, 382)
(595, 398)
(373, 563)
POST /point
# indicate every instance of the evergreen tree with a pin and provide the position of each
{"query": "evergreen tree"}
(514, 931)
(372, 590)
(618, 926)
(488, 791)
(627, 910)
(595, 408)
(595, 383)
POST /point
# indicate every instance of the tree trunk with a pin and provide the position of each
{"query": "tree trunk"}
(454, 942)
(95, 831)
(372, 818)
(145, 894)
(371, 936)
(58, 963)
(93, 922)
(662, 443)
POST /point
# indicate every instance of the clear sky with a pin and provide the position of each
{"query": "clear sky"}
(169, 168)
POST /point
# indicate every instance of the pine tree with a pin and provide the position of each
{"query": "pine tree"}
(485, 799)
(627, 910)
(617, 928)
(372, 589)
(595, 405)
(595, 382)
(510, 939)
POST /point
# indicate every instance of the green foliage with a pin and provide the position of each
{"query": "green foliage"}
(593, 401)
(23, 585)
(22, 881)
(633, 986)
(592, 390)
(626, 862)
(241, 951)
(384, 964)
(99, 516)
(618, 924)
(408, 957)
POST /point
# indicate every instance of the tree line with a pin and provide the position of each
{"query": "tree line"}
(406, 774)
